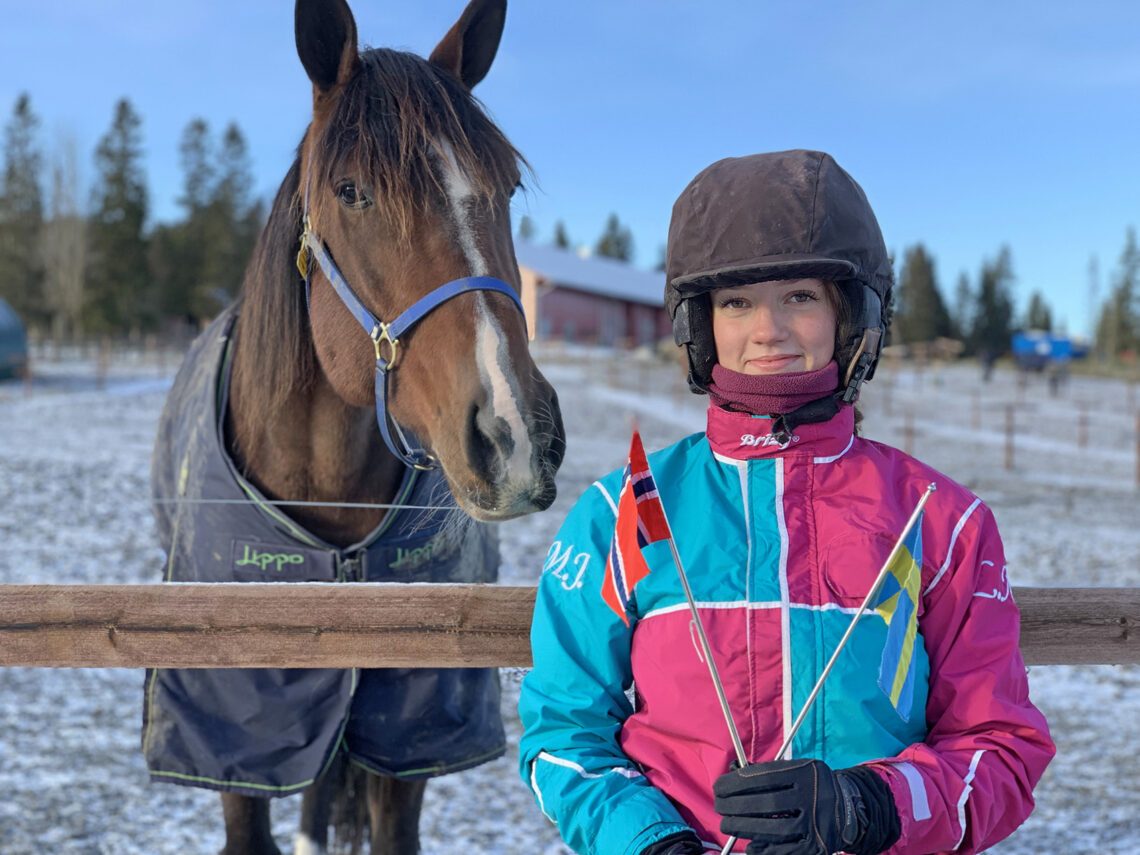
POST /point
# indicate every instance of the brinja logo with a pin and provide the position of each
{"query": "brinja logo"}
(266, 560)
(766, 441)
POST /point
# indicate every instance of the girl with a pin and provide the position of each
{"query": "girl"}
(778, 282)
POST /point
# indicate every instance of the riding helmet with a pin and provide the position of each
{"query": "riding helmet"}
(781, 215)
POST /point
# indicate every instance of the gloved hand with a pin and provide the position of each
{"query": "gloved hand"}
(802, 807)
(681, 843)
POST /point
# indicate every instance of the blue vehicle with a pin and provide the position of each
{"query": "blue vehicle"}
(13, 343)
(1036, 350)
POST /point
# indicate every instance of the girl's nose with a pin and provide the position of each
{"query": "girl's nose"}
(768, 324)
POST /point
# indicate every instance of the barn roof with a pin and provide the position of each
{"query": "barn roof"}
(595, 275)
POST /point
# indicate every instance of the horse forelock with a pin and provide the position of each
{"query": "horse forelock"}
(385, 130)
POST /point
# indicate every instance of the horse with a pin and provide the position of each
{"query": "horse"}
(346, 383)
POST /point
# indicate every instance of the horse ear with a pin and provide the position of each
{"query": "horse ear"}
(469, 47)
(326, 41)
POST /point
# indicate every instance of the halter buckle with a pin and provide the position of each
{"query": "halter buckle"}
(381, 336)
(303, 252)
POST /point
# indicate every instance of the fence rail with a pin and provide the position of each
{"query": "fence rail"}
(403, 626)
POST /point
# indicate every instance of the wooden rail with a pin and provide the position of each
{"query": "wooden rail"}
(401, 626)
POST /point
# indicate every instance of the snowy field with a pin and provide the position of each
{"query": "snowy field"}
(74, 459)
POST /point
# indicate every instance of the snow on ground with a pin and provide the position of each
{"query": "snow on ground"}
(74, 457)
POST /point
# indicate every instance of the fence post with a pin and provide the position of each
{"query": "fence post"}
(1082, 425)
(1009, 437)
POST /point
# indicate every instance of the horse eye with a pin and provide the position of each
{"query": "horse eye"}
(351, 196)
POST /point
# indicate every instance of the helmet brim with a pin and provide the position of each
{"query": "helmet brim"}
(791, 266)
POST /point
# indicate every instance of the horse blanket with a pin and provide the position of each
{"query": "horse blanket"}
(265, 732)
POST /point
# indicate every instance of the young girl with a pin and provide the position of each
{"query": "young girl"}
(778, 282)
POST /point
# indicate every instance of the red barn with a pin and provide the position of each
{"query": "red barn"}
(592, 300)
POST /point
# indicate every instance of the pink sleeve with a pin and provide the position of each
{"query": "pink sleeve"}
(970, 783)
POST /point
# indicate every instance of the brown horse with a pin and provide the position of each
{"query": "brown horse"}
(406, 183)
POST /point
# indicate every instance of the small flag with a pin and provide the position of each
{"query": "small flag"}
(640, 521)
(897, 604)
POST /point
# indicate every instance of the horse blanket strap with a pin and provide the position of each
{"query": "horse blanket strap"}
(386, 336)
(270, 732)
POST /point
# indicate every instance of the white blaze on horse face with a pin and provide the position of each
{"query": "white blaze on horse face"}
(459, 194)
(493, 358)
(491, 352)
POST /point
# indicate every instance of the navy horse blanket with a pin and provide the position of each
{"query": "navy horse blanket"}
(271, 732)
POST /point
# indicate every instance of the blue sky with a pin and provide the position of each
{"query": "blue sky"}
(969, 124)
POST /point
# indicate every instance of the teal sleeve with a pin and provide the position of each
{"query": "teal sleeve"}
(573, 702)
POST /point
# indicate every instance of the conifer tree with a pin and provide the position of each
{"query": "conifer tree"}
(920, 313)
(963, 308)
(21, 216)
(118, 296)
(1038, 316)
(1118, 329)
(993, 314)
(526, 228)
(232, 227)
(616, 241)
(561, 239)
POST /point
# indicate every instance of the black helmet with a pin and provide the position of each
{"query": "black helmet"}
(783, 215)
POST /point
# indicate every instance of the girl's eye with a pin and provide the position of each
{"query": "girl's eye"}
(732, 303)
(351, 196)
(803, 297)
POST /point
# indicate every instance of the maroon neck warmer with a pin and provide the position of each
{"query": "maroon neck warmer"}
(771, 394)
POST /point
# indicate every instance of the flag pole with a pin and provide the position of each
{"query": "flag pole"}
(847, 635)
(706, 650)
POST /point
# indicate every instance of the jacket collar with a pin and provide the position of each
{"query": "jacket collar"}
(742, 436)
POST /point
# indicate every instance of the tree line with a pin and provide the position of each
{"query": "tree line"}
(76, 267)
(982, 314)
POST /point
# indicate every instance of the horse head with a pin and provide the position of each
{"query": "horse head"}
(406, 183)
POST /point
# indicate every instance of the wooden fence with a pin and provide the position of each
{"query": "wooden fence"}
(400, 626)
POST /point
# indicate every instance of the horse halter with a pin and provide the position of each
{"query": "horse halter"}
(386, 336)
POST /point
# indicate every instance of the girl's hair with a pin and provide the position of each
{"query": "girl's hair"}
(843, 330)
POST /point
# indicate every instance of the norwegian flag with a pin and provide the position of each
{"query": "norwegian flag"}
(640, 521)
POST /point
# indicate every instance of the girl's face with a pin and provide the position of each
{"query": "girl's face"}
(774, 327)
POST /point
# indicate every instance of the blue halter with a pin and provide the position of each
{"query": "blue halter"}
(386, 337)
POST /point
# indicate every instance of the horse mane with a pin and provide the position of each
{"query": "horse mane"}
(382, 129)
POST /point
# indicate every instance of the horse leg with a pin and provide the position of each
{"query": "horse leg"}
(394, 810)
(317, 809)
(247, 826)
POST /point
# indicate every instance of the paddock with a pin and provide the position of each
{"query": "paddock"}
(74, 456)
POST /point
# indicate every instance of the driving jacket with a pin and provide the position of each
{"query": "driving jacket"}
(624, 736)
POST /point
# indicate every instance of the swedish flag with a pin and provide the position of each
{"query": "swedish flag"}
(897, 604)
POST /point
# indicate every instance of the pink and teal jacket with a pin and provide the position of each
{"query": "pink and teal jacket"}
(623, 733)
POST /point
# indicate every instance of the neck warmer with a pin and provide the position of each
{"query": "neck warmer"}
(771, 394)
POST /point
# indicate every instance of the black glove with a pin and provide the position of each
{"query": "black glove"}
(802, 807)
(681, 843)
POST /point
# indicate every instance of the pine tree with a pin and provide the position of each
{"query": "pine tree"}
(21, 216)
(1038, 316)
(561, 239)
(993, 314)
(920, 313)
(1118, 329)
(232, 226)
(178, 251)
(616, 241)
(963, 307)
(526, 228)
(117, 288)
